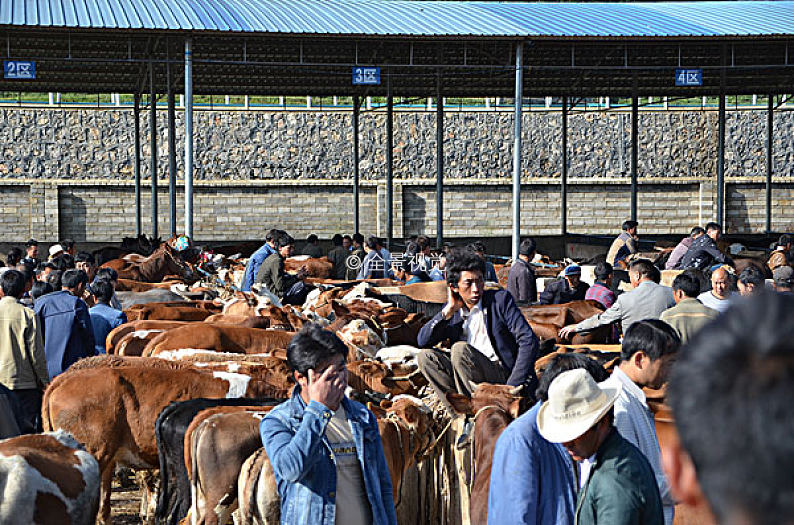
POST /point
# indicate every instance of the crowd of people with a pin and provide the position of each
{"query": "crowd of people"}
(53, 312)
(586, 452)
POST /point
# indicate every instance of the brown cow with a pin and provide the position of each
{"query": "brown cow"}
(117, 333)
(217, 443)
(547, 320)
(110, 404)
(379, 377)
(319, 267)
(493, 408)
(221, 338)
(163, 261)
(47, 478)
(129, 285)
(167, 313)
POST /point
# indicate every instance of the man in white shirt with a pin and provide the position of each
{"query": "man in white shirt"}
(649, 348)
(719, 297)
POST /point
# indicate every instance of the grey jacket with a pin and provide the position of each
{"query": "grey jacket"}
(646, 301)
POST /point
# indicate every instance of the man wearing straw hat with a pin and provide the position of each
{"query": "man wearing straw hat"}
(617, 483)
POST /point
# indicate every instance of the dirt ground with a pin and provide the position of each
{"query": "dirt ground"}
(125, 503)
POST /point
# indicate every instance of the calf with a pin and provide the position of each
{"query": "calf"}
(493, 407)
(221, 338)
(111, 405)
(174, 498)
(120, 331)
(47, 479)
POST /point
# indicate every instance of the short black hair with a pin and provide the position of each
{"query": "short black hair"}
(31, 242)
(752, 275)
(697, 230)
(106, 274)
(627, 225)
(67, 244)
(102, 290)
(283, 239)
(358, 238)
(653, 336)
(645, 268)
(271, 234)
(372, 242)
(687, 283)
(348, 237)
(63, 262)
(713, 226)
(336, 240)
(784, 239)
(459, 261)
(54, 280)
(311, 346)
(13, 283)
(564, 362)
(73, 278)
(730, 392)
(476, 246)
(527, 247)
(40, 288)
(603, 270)
(85, 257)
(701, 278)
(422, 242)
(312, 238)
(14, 256)
(27, 271)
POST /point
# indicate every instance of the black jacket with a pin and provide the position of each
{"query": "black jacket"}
(702, 254)
(559, 292)
(521, 283)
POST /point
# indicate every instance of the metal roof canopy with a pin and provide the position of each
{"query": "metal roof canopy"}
(301, 47)
(308, 47)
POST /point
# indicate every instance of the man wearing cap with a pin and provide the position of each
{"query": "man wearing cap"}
(618, 485)
(647, 300)
(31, 253)
(521, 279)
(783, 278)
(55, 251)
(780, 257)
(569, 288)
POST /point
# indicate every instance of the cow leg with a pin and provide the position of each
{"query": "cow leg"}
(149, 483)
(104, 496)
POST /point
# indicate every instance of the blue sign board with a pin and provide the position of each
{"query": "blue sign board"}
(19, 69)
(366, 76)
(688, 77)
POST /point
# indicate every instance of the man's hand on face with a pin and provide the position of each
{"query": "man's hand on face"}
(327, 387)
(454, 303)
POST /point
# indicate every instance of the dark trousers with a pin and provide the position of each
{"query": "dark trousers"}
(296, 294)
(459, 370)
(29, 400)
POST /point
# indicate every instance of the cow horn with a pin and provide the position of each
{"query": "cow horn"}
(516, 390)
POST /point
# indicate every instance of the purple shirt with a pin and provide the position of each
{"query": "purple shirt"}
(678, 252)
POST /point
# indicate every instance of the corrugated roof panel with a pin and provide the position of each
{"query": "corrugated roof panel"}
(418, 18)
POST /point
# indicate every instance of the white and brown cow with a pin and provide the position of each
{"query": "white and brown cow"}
(47, 479)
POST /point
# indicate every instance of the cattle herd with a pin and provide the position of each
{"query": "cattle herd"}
(186, 381)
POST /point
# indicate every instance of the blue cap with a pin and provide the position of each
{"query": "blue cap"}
(573, 269)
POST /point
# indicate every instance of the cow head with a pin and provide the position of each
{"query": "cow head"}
(506, 398)
(361, 339)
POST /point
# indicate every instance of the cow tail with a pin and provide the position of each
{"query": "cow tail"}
(247, 491)
(45, 410)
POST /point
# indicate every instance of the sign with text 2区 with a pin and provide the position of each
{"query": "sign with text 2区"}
(19, 69)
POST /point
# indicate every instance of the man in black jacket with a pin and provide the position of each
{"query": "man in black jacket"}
(704, 253)
(521, 279)
(569, 288)
(492, 342)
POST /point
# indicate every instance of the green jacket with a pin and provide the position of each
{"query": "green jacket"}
(688, 317)
(273, 275)
(621, 489)
(22, 361)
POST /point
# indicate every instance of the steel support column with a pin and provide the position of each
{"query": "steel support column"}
(634, 145)
(153, 147)
(389, 164)
(564, 173)
(439, 163)
(517, 149)
(356, 205)
(136, 112)
(189, 138)
(721, 155)
(769, 166)
(171, 153)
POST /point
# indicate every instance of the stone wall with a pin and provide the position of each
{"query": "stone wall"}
(317, 145)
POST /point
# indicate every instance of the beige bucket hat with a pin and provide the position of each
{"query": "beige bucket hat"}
(576, 403)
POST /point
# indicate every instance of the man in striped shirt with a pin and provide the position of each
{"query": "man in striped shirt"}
(649, 348)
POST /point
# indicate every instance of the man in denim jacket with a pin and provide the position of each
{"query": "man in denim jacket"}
(325, 448)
